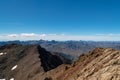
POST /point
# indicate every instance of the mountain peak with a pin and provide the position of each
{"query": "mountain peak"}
(29, 59)
(99, 64)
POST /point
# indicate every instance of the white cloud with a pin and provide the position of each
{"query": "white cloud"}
(60, 37)
(28, 34)
(110, 34)
(42, 35)
(12, 35)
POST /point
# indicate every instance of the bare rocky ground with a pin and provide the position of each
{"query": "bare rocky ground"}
(26, 62)
(31, 62)
(100, 64)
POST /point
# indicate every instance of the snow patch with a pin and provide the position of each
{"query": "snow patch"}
(2, 79)
(2, 53)
(12, 79)
(14, 67)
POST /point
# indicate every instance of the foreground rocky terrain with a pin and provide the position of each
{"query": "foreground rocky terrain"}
(100, 64)
(25, 62)
(32, 62)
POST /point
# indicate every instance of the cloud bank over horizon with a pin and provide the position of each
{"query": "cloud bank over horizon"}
(59, 37)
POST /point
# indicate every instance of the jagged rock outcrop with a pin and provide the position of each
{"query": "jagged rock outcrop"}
(105, 66)
(100, 64)
(48, 61)
(25, 62)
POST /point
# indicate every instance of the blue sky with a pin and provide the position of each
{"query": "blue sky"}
(73, 18)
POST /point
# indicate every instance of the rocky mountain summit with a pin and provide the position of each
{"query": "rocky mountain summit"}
(25, 62)
(106, 66)
(99, 64)
(32, 62)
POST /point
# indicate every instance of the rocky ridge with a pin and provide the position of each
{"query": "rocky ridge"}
(25, 62)
(32, 62)
(100, 64)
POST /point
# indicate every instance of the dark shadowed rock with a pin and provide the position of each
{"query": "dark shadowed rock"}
(29, 59)
(48, 61)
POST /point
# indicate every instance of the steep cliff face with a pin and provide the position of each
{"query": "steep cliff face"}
(100, 64)
(48, 61)
(25, 62)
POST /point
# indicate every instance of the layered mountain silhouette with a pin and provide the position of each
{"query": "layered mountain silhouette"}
(32, 62)
(73, 48)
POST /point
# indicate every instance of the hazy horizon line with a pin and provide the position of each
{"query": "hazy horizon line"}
(59, 37)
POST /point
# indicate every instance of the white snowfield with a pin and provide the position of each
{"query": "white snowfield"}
(2, 79)
(14, 67)
(2, 53)
(12, 79)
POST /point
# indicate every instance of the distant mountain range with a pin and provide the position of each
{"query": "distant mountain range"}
(73, 48)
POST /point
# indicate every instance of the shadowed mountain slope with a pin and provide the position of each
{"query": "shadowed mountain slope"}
(25, 62)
